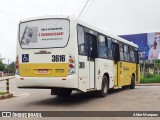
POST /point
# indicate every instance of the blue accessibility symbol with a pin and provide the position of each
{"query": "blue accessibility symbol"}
(25, 57)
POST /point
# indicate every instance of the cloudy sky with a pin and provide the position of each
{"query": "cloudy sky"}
(118, 17)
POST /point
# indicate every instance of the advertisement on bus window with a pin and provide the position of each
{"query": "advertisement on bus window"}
(44, 33)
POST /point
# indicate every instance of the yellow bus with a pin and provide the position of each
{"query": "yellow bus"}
(63, 54)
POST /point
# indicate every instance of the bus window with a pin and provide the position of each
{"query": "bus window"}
(116, 55)
(81, 42)
(126, 53)
(50, 33)
(109, 43)
(136, 56)
(131, 54)
(102, 48)
(91, 43)
(121, 51)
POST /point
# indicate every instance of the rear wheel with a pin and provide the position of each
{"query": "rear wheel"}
(125, 87)
(104, 89)
(61, 92)
(64, 93)
(132, 86)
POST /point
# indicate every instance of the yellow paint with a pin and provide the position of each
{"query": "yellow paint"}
(127, 69)
(53, 70)
(115, 77)
(124, 72)
(138, 73)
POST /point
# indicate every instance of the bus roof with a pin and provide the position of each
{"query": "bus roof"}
(84, 24)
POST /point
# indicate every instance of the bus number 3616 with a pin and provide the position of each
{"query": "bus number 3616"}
(58, 58)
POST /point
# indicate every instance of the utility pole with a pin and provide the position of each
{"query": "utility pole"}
(144, 64)
(8, 67)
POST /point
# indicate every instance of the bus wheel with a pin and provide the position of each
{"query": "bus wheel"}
(132, 86)
(64, 92)
(104, 89)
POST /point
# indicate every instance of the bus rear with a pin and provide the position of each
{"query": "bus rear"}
(46, 54)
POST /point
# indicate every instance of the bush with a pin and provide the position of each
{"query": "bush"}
(150, 79)
(150, 75)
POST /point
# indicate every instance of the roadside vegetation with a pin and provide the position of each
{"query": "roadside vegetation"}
(7, 69)
(150, 78)
(3, 93)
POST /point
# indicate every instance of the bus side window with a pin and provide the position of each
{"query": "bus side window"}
(81, 41)
(131, 54)
(102, 49)
(126, 53)
(116, 55)
(136, 56)
(91, 45)
(121, 51)
(109, 43)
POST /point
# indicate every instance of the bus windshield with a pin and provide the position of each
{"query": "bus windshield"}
(45, 33)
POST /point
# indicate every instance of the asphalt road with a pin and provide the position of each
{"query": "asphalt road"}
(142, 98)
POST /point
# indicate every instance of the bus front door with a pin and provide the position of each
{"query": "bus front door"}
(92, 53)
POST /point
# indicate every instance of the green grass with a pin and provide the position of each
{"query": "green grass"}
(3, 93)
(150, 78)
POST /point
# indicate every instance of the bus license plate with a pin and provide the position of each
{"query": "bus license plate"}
(43, 71)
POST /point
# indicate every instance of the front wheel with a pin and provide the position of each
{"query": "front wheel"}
(104, 88)
(132, 86)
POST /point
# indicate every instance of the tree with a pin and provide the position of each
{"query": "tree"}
(10, 69)
(2, 67)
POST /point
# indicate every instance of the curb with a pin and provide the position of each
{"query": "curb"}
(6, 96)
(148, 84)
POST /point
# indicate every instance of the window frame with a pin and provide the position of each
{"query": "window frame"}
(126, 52)
(103, 46)
(78, 25)
(19, 41)
(133, 50)
(108, 50)
(121, 46)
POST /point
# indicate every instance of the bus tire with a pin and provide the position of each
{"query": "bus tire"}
(64, 92)
(132, 86)
(104, 88)
(125, 87)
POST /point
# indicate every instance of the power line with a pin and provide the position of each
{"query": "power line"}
(91, 3)
(83, 8)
